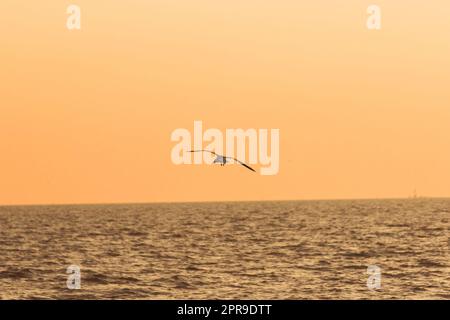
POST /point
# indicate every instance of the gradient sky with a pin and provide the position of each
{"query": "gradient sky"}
(86, 116)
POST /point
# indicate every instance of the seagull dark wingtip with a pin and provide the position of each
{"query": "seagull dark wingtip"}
(248, 167)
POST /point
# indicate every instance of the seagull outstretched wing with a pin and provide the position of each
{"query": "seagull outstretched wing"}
(212, 152)
(241, 163)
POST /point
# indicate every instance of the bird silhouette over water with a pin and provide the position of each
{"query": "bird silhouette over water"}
(223, 159)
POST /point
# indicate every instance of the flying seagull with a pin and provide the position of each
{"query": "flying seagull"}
(222, 159)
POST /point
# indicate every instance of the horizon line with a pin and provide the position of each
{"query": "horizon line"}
(216, 201)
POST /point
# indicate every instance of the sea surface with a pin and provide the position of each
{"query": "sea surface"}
(241, 250)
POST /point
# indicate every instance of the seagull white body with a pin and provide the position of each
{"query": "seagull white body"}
(220, 159)
(223, 159)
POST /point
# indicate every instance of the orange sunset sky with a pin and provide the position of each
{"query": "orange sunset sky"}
(86, 116)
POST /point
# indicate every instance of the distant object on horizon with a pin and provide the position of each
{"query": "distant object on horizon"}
(415, 195)
(223, 159)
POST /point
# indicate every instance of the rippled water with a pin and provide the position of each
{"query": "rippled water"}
(255, 250)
